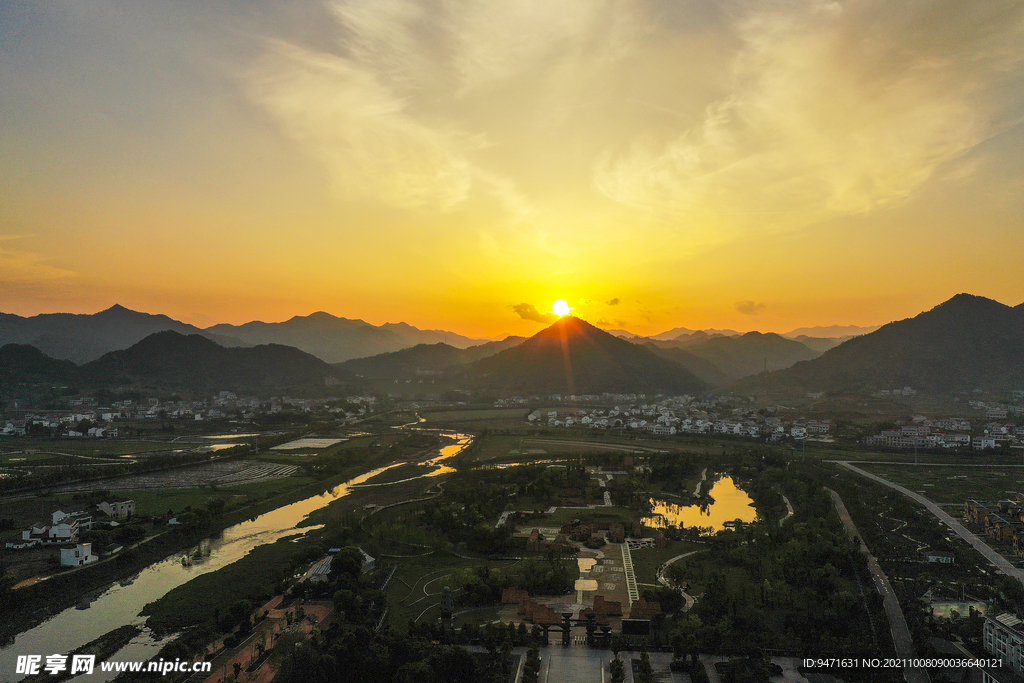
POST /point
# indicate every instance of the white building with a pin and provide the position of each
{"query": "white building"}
(77, 556)
(1003, 637)
(119, 509)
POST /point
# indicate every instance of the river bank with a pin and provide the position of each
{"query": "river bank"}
(31, 605)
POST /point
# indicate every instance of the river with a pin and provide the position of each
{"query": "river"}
(121, 604)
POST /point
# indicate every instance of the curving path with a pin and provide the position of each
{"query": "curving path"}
(1001, 563)
(664, 582)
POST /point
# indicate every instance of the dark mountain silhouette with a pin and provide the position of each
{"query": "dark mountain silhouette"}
(748, 354)
(24, 364)
(821, 344)
(968, 342)
(173, 361)
(727, 359)
(676, 332)
(846, 331)
(702, 368)
(573, 356)
(336, 340)
(423, 359)
(81, 338)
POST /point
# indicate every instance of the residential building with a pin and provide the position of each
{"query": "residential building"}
(79, 555)
(1003, 637)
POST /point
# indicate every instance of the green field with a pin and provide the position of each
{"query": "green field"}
(601, 515)
(955, 483)
(100, 447)
(647, 560)
(419, 581)
(158, 501)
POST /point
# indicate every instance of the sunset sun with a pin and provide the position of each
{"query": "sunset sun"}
(560, 308)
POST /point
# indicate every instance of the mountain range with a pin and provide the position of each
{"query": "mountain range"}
(574, 357)
(966, 343)
(171, 361)
(336, 339)
(81, 338)
(424, 359)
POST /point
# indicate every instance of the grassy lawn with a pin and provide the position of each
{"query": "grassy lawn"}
(601, 515)
(647, 560)
(407, 598)
(158, 501)
(953, 483)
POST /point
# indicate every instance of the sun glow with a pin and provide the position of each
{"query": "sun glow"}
(560, 308)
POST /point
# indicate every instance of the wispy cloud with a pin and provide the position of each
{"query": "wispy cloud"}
(834, 109)
(530, 312)
(613, 302)
(22, 266)
(749, 307)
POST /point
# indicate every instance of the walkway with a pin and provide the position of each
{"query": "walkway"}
(627, 564)
(897, 622)
(664, 582)
(789, 510)
(963, 532)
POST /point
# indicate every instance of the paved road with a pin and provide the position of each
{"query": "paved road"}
(665, 582)
(897, 622)
(991, 555)
(789, 511)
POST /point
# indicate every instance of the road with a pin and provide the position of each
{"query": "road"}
(897, 622)
(963, 532)
(665, 582)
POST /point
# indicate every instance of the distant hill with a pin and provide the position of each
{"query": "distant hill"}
(700, 367)
(830, 331)
(24, 364)
(733, 357)
(573, 356)
(336, 340)
(821, 344)
(678, 331)
(968, 342)
(81, 338)
(423, 359)
(173, 361)
(748, 354)
(623, 334)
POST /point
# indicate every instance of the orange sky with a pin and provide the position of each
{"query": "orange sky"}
(701, 164)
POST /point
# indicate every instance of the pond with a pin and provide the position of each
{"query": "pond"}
(730, 503)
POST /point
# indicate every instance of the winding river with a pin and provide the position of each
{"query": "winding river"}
(121, 603)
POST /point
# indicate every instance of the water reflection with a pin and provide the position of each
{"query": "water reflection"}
(461, 441)
(122, 602)
(730, 504)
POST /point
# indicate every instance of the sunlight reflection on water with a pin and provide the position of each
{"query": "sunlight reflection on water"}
(730, 504)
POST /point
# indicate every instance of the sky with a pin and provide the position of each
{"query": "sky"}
(742, 164)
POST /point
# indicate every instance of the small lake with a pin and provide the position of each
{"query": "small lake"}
(731, 503)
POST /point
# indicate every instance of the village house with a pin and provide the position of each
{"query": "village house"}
(80, 555)
(118, 509)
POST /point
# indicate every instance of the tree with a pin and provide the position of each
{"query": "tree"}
(644, 672)
(531, 669)
(347, 562)
(617, 670)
